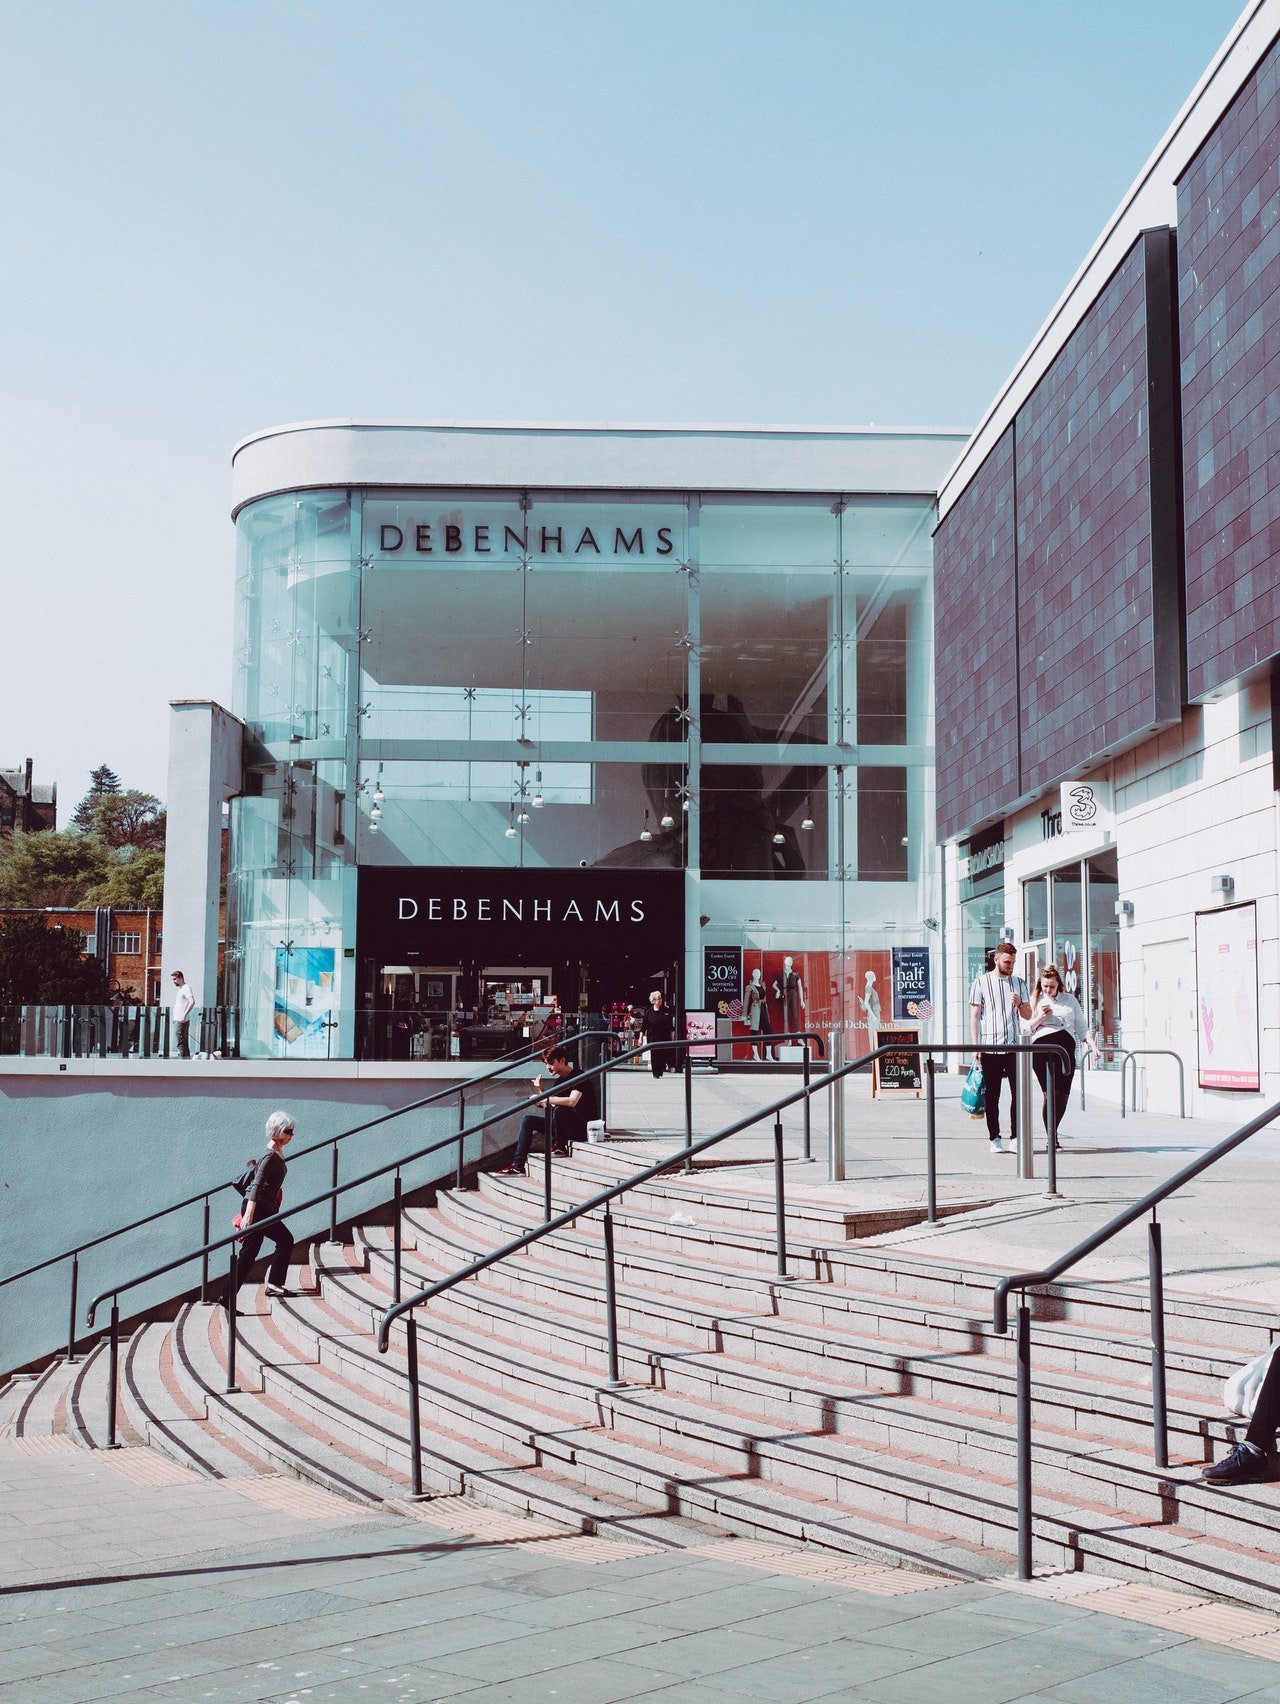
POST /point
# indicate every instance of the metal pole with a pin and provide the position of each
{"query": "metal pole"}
(1051, 1103)
(415, 1419)
(1159, 1405)
(931, 1138)
(233, 1288)
(546, 1165)
(610, 1301)
(462, 1125)
(1024, 1440)
(779, 1197)
(204, 1259)
(1026, 1135)
(836, 1162)
(1124, 1066)
(397, 1235)
(71, 1329)
(808, 1107)
(333, 1199)
(688, 1107)
(113, 1373)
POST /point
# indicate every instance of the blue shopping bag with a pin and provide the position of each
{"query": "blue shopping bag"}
(973, 1097)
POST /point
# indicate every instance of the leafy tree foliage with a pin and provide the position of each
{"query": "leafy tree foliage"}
(40, 965)
(102, 780)
(136, 884)
(131, 819)
(46, 869)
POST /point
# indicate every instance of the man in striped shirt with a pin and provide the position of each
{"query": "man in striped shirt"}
(997, 1000)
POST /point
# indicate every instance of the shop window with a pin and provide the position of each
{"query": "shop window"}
(125, 941)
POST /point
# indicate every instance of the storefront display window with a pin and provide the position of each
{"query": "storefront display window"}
(1069, 919)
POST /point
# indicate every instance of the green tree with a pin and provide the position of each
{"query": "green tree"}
(45, 966)
(134, 884)
(43, 869)
(102, 780)
(131, 819)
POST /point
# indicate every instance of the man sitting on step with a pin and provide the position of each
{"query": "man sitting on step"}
(571, 1107)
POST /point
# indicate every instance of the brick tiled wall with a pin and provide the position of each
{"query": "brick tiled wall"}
(975, 657)
(1229, 314)
(1084, 540)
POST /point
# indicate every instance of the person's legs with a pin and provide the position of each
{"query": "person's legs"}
(531, 1125)
(278, 1271)
(184, 1040)
(1249, 1462)
(246, 1254)
(1042, 1062)
(657, 1061)
(996, 1067)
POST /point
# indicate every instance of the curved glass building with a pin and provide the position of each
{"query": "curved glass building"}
(545, 717)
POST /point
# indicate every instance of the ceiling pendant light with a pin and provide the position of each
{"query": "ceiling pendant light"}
(807, 824)
(645, 833)
(537, 800)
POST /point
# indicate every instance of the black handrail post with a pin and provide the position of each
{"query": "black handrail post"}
(1159, 1404)
(113, 1373)
(1051, 1105)
(808, 1134)
(931, 1139)
(546, 1164)
(415, 1418)
(610, 1301)
(779, 1197)
(233, 1291)
(462, 1125)
(1024, 1439)
(71, 1329)
(396, 1236)
(688, 1108)
(333, 1199)
(204, 1262)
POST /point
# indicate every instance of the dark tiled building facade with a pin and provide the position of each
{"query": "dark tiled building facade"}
(1229, 309)
(1055, 561)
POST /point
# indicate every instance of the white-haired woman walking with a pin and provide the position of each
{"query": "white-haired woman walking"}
(263, 1200)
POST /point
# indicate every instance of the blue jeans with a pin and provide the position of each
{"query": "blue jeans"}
(531, 1125)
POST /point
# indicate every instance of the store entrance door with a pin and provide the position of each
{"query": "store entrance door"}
(406, 1012)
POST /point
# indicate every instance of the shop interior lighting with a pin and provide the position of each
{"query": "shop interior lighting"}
(668, 821)
(779, 838)
(645, 833)
(523, 817)
(807, 824)
(537, 800)
(378, 794)
(510, 830)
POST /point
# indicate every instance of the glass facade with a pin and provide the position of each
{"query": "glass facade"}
(737, 691)
(1069, 918)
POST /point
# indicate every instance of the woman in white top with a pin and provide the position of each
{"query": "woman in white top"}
(1056, 1025)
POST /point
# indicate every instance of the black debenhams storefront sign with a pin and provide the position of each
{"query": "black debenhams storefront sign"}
(512, 917)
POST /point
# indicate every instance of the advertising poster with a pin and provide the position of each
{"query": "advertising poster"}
(1227, 998)
(911, 988)
(700, 1029)
(304, 1002)
(722, 980)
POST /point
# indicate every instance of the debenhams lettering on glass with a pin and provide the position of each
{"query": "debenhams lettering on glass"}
(482, 910)
(457, 538)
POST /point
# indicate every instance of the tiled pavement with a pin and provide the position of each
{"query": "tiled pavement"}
(123, 1584)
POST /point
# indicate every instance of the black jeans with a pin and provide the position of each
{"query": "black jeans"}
(531, 1125)
(1055, 1052)
(251, 1245)
(996, 1067)
(1266, 1414)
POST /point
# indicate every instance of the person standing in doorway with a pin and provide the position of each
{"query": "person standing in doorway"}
(659, 1026)
(997, 1000)
(1057, 1024)
(182, 1005)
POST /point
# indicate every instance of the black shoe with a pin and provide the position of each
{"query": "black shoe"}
(1242, 1466)
(510, 1171)
(561, 1153)
(278, 1290)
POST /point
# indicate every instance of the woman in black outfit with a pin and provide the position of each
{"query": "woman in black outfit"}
(262, 1200)
(659, 1026)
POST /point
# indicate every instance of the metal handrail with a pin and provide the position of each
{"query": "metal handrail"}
(208, 1247)
(524, 1057)
(1024, 1281)
(605, 1198)
(1136, 1053)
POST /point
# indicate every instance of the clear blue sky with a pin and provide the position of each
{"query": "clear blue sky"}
(226, 215)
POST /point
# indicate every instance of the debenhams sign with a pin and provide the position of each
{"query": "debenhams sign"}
(402, 532)
(484, 908)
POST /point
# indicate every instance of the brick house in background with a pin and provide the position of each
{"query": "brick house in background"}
(127, 942)
(25, 805)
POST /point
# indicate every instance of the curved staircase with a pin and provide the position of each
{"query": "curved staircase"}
(863, 1407)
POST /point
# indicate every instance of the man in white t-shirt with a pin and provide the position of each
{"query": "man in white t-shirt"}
(997, 1000)
(182, 1005)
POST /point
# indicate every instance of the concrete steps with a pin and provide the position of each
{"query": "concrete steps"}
(865, 1407)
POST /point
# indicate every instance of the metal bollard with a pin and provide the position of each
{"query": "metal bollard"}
(1026, 1133)
(931, 1140)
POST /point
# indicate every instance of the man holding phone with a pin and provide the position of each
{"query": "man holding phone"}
(997, 1000)
(571, 1103)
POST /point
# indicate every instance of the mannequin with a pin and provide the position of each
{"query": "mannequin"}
(755, 1014)
(870, 1003)
(789, 990)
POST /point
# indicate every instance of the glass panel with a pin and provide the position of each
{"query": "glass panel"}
(1067, 946)
(767, 627)
(1035, 909)
(883, 841)
(1102, 1008)
(981, 921)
